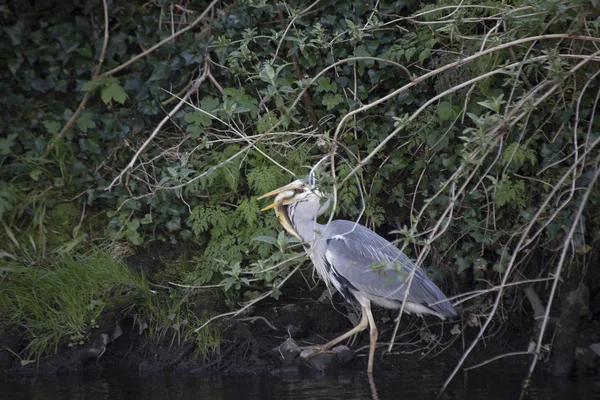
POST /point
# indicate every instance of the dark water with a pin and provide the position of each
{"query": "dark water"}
(489, 385)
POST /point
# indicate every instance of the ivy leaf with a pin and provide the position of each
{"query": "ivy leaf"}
(100, 82)
(330, 101)
(324, 84)
(161, 71)
(52, 126)
(15, 32)
(84, 122)
(198, 118)
(243, 101)
(462, 265)
(361, 51)
(7, 143)
(9, 196)
(114, 92)
(135, 238)
(173, 225)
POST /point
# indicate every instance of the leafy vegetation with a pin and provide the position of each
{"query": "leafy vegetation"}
(469, 130)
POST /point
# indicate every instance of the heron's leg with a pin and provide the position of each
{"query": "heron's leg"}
(373, 342)
(362, 325)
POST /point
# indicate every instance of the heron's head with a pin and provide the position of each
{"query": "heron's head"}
(297, 200)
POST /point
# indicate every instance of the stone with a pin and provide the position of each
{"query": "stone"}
(586, 356)
(344, 354)
(322, 362)
(595, 348)
(288, 351)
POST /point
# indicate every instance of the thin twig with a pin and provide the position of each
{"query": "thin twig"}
(86, 97)
(181, 103)
(514, 353)
(306, 99)
(162, 42)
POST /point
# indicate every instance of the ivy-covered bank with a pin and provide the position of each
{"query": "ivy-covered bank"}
(141, 133)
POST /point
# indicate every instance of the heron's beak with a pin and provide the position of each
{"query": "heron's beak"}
(282, 195)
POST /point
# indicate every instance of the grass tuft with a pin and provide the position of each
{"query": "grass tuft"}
(60, 304)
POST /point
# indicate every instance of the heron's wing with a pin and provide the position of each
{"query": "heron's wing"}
(375, 267)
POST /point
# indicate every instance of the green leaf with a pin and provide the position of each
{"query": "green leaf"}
(135, 238)
(510, 192)
(249, 211)
(174, 224)
(266, 178)
(265, 123)
(463, 265)
(84, 122)
(266, 239)
(146, 220)
(361, 51)
(15, 32)
(52, 126)
(330, 101)
(229, 282)
(324, 84)
(243, 101)
(493, 104)
(114, 92)
(445, 111)
(7, 143)
(97, 83)
(517, 154)
(161, 71)
(198, 118)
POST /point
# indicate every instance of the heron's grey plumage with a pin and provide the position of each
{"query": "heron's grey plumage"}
(348, 253)
(362, 265)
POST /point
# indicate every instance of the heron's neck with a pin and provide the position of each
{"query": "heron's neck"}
(308, 229)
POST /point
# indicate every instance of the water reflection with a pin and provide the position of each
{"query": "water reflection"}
(410, 384)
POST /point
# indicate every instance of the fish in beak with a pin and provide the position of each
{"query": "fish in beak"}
(283, 197)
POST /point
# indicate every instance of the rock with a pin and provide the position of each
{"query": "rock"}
(344, 354)
(586, 356)
(288, 351)
(322, 362)
(595, 348)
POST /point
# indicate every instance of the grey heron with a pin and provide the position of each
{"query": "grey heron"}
(363, 266)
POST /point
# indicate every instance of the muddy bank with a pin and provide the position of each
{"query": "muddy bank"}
(255, 344)
(264, 340)
(250, 345)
